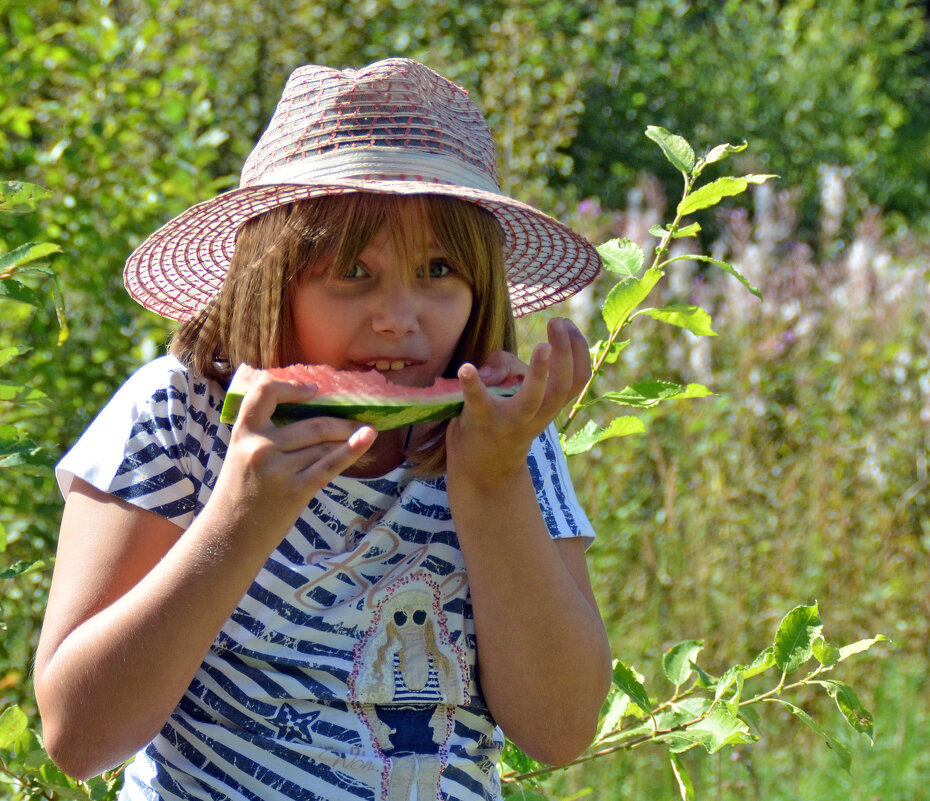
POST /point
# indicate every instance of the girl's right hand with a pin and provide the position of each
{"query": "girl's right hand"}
(271, 472)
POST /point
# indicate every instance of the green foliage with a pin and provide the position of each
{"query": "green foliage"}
(808, 83)
(711, 712)
(17, 450)
(620, 307)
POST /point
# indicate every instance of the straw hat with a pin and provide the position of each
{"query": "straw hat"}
(394, 126)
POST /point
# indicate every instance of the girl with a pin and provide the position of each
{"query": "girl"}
(319, 610)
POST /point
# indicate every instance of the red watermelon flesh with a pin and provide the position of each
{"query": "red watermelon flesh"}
(365, 396)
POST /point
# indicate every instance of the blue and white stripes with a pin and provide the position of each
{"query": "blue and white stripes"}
(347, 670)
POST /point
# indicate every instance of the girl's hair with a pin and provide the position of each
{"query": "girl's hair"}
(250, 320)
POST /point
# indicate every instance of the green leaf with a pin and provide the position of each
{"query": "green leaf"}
(18, 197)
(13, 722)
(832, 743)
(862, 645)
(21, 568)
(693, 318)
(8, 354)
(612, 711)
(31, 251)
(676, 148)
(645, 394)
(795, 637)
(764, 661)
(628, 681)
(676, 662)
(680, 233)
(711, 194)
(828, 655)
(622, 256)
(720, 152)
(626, 295)
(704, 679)
(30, 459)
(733, 677)
(10, 391)
(582, 441)
(599, 350)
(9, 445)
(14, 290)
(685, 785)
(849, 704)
(727, 268)
(720, 728)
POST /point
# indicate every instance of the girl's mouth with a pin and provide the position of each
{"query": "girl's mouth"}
(386, 365)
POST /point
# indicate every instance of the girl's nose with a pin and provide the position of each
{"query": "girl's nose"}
(396, 311)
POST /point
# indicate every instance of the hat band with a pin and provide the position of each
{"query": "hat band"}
(360, 163)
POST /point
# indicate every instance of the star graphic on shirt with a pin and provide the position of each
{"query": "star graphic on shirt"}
(292, 724)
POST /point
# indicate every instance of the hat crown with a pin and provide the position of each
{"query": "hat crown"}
(393, 120)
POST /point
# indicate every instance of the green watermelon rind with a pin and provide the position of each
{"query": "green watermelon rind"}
(384, 416)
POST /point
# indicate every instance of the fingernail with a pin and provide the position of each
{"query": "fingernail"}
(358, 435)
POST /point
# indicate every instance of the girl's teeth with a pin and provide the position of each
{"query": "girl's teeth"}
(387, 364)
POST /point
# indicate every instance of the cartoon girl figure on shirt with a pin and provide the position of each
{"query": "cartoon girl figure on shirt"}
(410, 678)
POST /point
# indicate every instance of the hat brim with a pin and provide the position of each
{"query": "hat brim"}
(179, 268)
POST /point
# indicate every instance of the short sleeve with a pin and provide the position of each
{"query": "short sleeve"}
(138, 447)
(561, 511)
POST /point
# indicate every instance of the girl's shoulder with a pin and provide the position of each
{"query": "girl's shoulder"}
(166, 379)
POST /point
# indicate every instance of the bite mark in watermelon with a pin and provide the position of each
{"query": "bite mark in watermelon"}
(365, 396)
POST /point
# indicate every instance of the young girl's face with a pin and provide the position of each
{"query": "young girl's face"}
(399, 310)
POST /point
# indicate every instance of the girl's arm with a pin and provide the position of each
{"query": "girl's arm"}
(543, 656)
(136, 602)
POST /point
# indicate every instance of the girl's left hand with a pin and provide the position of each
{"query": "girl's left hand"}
(492, 436)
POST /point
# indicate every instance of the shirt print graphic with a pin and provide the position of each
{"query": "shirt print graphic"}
(408, 678)
(408, 672)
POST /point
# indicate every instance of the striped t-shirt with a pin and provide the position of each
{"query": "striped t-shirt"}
(348, 669)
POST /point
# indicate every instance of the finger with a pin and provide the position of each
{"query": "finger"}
(571, 366)
(263, 398)
(533, 391)
(581, 360)
(499, 366)
(300, 434)
(477, 398)
(337, 458)
(561, 368)
(578, 353)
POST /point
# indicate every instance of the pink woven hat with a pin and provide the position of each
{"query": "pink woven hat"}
(394, 126)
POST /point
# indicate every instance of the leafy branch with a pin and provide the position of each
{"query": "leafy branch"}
(623, 302)
(25, 261)
(713, 712)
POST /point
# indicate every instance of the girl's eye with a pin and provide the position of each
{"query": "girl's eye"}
(436, 269)
(355, 271)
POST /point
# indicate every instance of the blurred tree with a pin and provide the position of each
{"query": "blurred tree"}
(807, 83)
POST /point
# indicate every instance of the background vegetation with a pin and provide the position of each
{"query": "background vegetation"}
(805, 477)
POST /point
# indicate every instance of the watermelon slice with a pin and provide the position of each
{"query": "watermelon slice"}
(363, 396)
